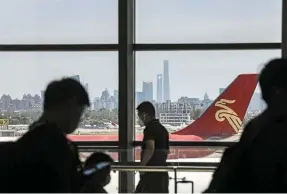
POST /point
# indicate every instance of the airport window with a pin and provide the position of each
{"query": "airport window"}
(196, 79)
(186, 54)
(58, 22)
(38, 30)
(205, 21)
(198, 45)
(184, 85)
(22, 103)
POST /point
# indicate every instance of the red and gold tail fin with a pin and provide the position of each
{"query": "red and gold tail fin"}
(224, 116)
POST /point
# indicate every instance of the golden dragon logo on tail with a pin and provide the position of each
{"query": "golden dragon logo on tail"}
(226, 113)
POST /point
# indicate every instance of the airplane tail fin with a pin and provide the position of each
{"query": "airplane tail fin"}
(225, 115)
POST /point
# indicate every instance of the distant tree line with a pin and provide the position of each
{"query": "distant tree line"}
(99, 117)
(91, 117)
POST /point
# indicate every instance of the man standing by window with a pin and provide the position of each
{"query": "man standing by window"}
(155, 149)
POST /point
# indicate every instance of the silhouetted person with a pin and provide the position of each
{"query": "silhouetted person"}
(258, 163)
(97, 171)
(46, 160)
(155, 149)
(76, 178)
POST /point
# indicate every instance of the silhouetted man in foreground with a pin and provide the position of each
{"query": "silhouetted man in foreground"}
(258, 163)
(155, 149)
(46, 161)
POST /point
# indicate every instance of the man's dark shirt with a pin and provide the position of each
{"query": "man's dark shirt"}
(45, 161)
(252, 129)
(155, 182)
(157, 132)
(266, 158)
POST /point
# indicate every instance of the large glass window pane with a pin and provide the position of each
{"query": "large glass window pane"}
(189, 90)
(26, 74)
(196, 79)
(208, 21)
(200, 180)
(58, 21)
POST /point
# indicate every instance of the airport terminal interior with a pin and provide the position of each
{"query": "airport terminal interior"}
(196, 60)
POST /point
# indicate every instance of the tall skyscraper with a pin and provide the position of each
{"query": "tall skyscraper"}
(159, 88)
(148, 91)
(139, 97)
(105, 98)
(76, 77)
(166, 87)
(105, 95)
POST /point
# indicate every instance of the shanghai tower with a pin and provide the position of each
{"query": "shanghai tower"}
(166, 87)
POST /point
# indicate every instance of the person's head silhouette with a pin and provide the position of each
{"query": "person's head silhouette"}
(146, 113)
(64, 103)
(97, 169)
(273, 81)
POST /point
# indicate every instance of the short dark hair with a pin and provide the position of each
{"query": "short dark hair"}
(96, 158)
(59, 91)
(146, 107)
(274, 74)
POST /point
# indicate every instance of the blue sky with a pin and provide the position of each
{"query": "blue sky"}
(192, 73)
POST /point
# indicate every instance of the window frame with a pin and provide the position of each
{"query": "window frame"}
(126, 48)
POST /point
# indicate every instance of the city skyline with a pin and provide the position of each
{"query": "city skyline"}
(192, 73)
(109, 101)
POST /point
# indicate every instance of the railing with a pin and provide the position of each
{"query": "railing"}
(172, 166)
(174, 169)
(115, 144)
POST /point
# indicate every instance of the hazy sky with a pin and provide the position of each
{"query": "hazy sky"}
(192, 73)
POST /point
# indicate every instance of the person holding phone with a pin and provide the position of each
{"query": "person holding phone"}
(96, 173)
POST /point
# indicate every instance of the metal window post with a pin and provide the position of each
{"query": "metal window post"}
(126, 91)
(284, 29)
